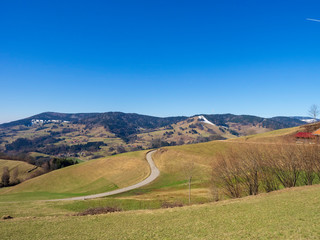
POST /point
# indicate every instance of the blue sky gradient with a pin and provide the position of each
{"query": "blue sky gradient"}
(161, 58)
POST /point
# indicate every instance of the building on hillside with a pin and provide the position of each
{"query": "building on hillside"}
(317, 133)
(305, 135)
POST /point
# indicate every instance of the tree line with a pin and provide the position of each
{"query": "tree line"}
(250, 169)
(46, 145)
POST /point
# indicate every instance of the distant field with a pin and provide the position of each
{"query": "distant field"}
(78, 135)
(91, 177)
(286, 214)
(23, 168)
(188, 131)
(276, 135)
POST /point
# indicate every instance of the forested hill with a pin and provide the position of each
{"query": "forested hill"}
(125, 124)
(273, 123)
(92, 135)
(121, 124)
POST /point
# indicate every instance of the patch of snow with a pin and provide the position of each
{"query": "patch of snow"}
(203, 119)
(309, 120)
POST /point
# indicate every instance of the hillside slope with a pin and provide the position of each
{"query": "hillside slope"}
(173, 162)
(122, 170)
(92, 177)
(121, 124)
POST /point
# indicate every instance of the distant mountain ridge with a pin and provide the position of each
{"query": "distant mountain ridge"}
(115, 120)
(272, 123)
(92, 135)
(121, 124)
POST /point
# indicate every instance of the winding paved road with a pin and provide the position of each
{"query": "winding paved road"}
(153, 175)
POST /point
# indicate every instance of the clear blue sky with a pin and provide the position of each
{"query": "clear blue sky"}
(160, 58)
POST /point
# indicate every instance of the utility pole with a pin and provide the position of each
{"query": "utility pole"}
(190, 178)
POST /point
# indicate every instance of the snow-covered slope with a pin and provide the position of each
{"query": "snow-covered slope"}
(203, 119)
(309, 120)
(306, 119)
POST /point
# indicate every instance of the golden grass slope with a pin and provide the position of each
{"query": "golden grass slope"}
(95, 176)
(172, 183)
(273, 136)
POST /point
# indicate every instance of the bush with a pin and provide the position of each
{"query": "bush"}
(121, 149)
(58, 163)
(171, 205)
(99, 210)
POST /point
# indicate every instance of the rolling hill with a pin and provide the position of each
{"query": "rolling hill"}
(91, 177)
(280, 214)
(122, 170)
(172, 162)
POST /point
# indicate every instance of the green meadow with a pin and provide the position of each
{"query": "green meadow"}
(285, 214)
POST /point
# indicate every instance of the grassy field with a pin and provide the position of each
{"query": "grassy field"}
(32, 209)
(91, 177)
(273, 136)
(285, 214)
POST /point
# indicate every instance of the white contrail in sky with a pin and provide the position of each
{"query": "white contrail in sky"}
(314, 20)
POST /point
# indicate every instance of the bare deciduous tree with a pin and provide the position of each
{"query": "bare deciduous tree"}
(5, 179)
(286, 165)
(225, 175)
(249, 168)
(314, 111)
(243, 169)
(308, 162)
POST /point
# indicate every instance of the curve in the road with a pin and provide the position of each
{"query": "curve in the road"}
(153, 175)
